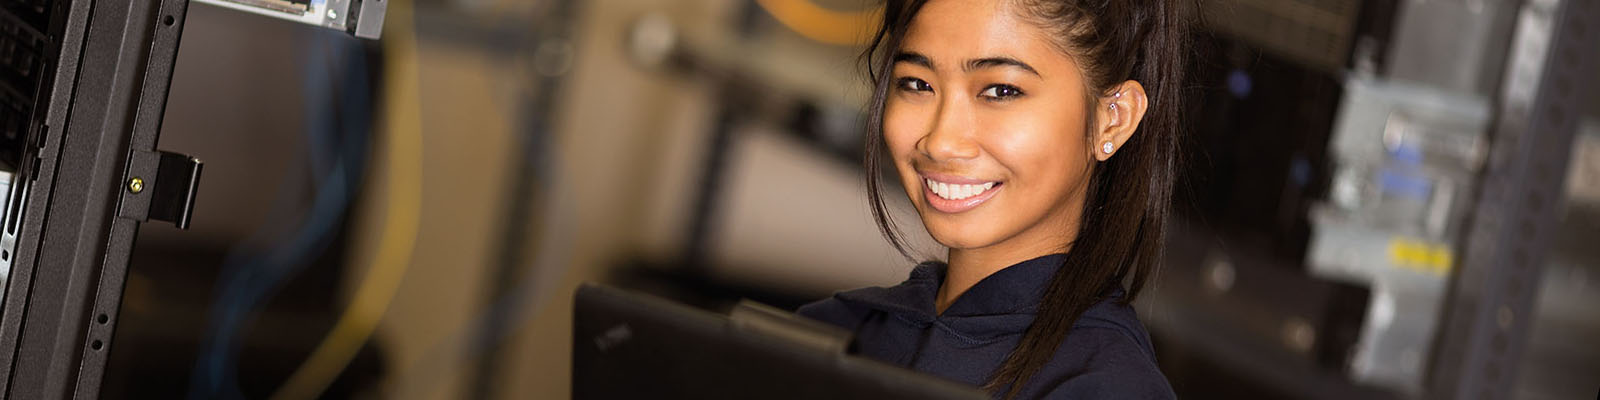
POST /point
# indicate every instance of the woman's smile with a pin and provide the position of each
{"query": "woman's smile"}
(952, 194)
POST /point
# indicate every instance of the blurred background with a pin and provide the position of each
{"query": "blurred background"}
(1366, 212)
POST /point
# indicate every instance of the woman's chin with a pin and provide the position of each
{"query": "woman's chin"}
(957, 237)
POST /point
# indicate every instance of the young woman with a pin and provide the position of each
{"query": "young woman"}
(1036, 140)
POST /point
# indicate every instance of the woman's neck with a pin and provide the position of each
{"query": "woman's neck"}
(967, 267)
(1052, 234)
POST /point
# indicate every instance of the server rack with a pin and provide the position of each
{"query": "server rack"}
(87, 174)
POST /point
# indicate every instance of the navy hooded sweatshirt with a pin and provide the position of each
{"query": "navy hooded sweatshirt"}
(1106, 355)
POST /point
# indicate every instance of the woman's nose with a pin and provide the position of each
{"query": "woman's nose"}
(951, 135)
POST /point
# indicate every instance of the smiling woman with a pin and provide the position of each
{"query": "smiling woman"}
(1036, 140)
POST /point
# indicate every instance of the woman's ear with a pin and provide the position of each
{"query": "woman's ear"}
(1118, 115)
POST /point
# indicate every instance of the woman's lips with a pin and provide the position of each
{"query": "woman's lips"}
(953, 195)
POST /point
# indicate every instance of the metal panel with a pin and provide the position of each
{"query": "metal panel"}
(1487, 312)
(107, 101)
(164, 29)
(1317, 33)
(369, 23)
(1454, 45)
(364, 19)
(36, 174)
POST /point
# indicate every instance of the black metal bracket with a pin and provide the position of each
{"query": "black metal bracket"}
(161, 186)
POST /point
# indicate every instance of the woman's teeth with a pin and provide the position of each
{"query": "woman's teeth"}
(957, 192)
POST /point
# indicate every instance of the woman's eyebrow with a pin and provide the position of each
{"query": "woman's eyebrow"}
(913, 58)
(991, 62)
(916, 58)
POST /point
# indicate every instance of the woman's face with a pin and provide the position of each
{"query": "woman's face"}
(985, 120)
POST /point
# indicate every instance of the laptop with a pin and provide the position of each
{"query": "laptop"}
(629, 345)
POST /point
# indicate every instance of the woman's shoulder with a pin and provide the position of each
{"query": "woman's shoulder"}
(1107, 354)
(1116, 368)
(834, 312)
(847, 309)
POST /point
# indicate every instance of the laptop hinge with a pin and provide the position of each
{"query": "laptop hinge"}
(757, 318)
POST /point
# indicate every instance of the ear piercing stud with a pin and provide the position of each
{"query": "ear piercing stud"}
(1107, 147)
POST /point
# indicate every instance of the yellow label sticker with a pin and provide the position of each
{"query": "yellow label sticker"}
(1420, 256)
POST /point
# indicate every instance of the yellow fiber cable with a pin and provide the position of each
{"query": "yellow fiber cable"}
(404, 194)
(845, 28)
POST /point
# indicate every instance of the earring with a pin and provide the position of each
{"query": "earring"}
(1107, 147)
(1113, 106)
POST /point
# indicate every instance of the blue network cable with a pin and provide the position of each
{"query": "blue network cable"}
(337, 147)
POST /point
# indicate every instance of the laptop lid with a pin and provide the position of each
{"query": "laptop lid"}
(630, 345)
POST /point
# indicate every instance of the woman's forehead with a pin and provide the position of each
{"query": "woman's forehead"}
(951, 32)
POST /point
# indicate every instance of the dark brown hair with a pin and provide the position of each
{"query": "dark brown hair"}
(1122, 229)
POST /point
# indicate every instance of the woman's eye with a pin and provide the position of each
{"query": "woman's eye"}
(915, 85)
(1001, 92)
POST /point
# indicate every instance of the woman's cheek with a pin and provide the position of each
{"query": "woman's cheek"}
(900, 137)
(900, 133)
(898, 122)
(1011, 140)
(1029, 134)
